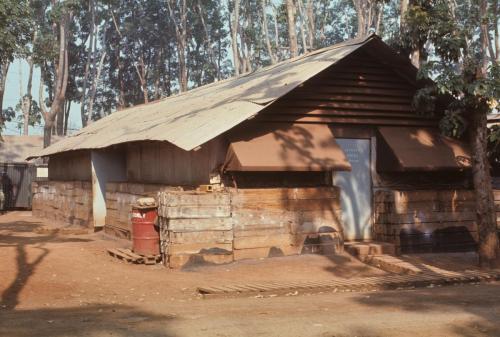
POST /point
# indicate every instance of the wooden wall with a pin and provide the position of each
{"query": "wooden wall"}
(240, 224)
(426, 220)
(63, 202)
(119, 200)
(357, 90)
(285, 221)
(164, 163)
(195, 228)
(73, 165)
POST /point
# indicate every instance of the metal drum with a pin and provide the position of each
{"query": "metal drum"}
(145, 233)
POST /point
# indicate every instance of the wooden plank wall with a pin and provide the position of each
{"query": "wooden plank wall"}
(63, 202)
(357, 90)
(241, 224)
(426, 220)
(70, 166)
(285, 221)
(196, 228)
(119, 200)
(164, 163)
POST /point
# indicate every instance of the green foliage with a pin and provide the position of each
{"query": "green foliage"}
(424, 101)
(448, 39)
(15, 29)
(453, 124)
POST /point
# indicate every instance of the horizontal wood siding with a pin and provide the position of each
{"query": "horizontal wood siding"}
(73, 165)
(240, 224)
(196, 227)
(426, 220)
(119, 200)
(63, 202)
(357, 90)
(164, 163)
(285, 221)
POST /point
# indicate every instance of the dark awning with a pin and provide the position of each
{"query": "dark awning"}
(419, 149)
(290, 147)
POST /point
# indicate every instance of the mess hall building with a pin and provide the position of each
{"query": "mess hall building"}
(300, 156)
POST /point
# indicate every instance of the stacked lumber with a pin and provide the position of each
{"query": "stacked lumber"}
(196, 227)
(285, 221)
(426, 220)
(63, 202)
(119, 200)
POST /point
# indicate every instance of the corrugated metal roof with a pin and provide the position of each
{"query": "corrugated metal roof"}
(190, 119)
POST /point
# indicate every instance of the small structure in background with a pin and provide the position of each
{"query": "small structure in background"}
(16, 173)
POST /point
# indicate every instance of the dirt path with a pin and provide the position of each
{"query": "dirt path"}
(66, 285)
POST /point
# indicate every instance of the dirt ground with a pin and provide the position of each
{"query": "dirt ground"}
(66, 285)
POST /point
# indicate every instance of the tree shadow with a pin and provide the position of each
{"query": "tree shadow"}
(24, 269)
(479, 301)
(90, 320)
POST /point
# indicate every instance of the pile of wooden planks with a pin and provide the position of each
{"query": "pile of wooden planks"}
(119, 200)
(196, 227)
(426, 220)
(236, 224)
(131, 257)
(63, 202)
(285, 221)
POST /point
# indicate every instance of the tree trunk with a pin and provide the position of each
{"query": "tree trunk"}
(4, 69)
(415, 54)
(266, 33)
(84, 115)
(27, 99)
(311, 30)
(485, 208)
(208, 40)
(496, 35)
(302, 25)
(489, 255)
(142, 74)
(276, 34)
(157, 73)
(292, 34)
(61, 77)
(181, 37)
(60, 120)
(47, 133)
(234, 37)
(66, 117)
(93, 89)
(119, 62)
(359, 5)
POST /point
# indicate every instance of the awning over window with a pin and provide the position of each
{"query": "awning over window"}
(292, 147)
(419, 149)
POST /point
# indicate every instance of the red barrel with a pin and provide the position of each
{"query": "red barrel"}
(145, 234)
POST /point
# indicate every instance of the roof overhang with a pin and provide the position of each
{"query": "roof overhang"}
(286, 147)
(419, 149)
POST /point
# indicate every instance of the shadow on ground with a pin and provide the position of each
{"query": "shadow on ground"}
(91, 320)
(478, 301)
(24, 267)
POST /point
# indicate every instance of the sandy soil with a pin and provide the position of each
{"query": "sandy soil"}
(66, 285)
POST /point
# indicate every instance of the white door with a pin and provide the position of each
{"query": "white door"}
(356, 189)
